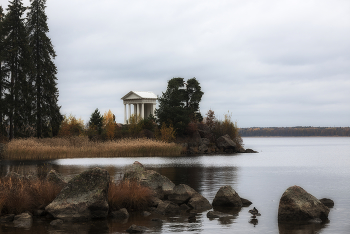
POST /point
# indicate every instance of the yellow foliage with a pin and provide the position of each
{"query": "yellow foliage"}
(71, 126)
(167, 134)
(109, 124)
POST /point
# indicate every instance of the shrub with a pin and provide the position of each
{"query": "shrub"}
(71, 126)
(227, 127)
(167, 134)
(18, 195)
(128, 194)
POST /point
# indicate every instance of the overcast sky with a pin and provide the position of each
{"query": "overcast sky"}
(271, 63)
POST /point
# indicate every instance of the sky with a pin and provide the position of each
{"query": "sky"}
(271, 63)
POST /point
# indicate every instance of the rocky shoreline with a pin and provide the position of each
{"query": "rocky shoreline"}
(84, 198)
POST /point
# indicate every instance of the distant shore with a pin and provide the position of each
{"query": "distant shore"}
(295, 132)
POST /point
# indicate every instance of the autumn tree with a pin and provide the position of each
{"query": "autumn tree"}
(109, 124)
(210, 119)
(71, 126)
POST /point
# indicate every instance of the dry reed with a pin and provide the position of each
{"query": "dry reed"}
(128, 194)
(18, 195)
(81, 147)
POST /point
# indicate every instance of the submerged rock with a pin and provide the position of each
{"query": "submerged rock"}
(227, 196)
(136, 229)
(83, 198)
(7, 218)
(298, 205)
(120, 214)
(24, 220)
(327, 202)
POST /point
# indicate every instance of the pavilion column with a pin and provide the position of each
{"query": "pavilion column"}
(129, 111)
(153, 109)
(138, 110)
(124, 113)
(142, 110)
(135, 110)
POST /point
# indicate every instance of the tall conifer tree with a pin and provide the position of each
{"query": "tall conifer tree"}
(19, 96)
(44, 70)
(3, 75)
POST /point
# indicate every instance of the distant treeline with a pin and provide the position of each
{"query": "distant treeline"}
(295, 131)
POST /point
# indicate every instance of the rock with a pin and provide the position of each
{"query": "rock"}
(7, 218)
(184, 207)
(145, 213)
(226, 143)
(120, 214)
(181, 194)
(227, 196)
(204, 131)
(327, 202)
(56, 178)
(136, 229)
(160, 184)
(56, 222)
(167, 207)
(217, 214)
(83, 198)
(298, 205)
(250, 151)
(154, 201)
(245, 202)
(203, 148)
(205, 141)
(199, 203)
(39, 213)
(23, 220)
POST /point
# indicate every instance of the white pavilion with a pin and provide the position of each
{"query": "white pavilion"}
(144, 104)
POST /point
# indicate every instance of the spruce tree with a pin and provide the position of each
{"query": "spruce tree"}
(179, 105)
(44, 70)
(3, 76)
(19, 95)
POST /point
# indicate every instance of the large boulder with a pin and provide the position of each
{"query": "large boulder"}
(160, 184)
(298, 205)
(184, 194)
(227, 196)
(225, 143)
(181, 193)
(199, 203)
(83, 198)
(167, 208)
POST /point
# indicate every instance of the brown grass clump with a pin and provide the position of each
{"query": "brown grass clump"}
(81, 147)
(128, 194)
(18, 195)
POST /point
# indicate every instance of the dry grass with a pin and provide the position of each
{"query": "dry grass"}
(128, 194)
(18, 195)
(81, 147)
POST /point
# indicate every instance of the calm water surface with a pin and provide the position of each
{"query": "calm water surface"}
(320, 165)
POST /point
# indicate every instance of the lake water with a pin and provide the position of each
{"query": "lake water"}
(321, 165)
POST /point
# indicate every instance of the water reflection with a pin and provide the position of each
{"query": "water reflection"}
(301, 228)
